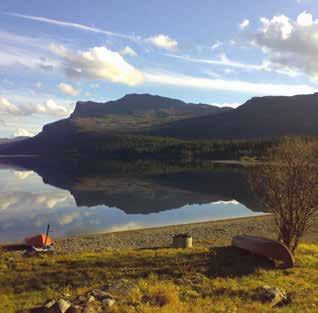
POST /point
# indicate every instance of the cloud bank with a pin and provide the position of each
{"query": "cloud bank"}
(68, 89)
(163, 41)
(290, 44)
(97, 63)
(49, 107)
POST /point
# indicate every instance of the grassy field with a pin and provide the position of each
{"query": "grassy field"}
(218, 279)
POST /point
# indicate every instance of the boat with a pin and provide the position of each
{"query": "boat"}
(269, 248)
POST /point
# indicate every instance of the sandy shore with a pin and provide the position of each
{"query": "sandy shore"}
(213, 233)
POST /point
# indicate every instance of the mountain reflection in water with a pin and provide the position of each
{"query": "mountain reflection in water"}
(81, 197)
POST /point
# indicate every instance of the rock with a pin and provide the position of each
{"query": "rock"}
(66, 295)
(91, 299)
(49, 304)
(82, 299)
(108, 302)
(101, 295)
(90, 308)
(74, 309)
(274, 295)
(61, 306)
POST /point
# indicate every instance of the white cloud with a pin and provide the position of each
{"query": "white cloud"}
(49, 107)
(290, 45)
(244, 24)
(73, 25)
(7, 107)
(223, 60)
(216, 45)
(174, 79)
(163, 41)
(22, 175)
(211, 73)
(226, 104)
(98, 63)
(52, 108)
(304, 19)
(69, 218)
(21, 132)
(23, 51)
(68, 89)
(228, 71)
(128, 51)
(39, 85)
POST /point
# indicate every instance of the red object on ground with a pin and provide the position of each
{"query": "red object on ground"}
(39, 241)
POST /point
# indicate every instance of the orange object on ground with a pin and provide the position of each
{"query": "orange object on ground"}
(39, 241)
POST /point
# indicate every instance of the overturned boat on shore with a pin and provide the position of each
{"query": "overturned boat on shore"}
(265, 247)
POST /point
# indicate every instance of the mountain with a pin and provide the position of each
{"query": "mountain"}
(259, 117)
(6, 143)
(10, 140)
(134, 113)
(146, 126)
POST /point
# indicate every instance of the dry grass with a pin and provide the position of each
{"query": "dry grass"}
(221, 279)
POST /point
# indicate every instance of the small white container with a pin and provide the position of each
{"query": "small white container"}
(182, 241)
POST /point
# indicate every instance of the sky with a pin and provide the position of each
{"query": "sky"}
(54, 53)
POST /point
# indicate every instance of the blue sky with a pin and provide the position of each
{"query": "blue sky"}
(53, 53)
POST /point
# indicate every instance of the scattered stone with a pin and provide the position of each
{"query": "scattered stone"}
(74, 309)
(90, 308)
(82, 299)
(274, 295)
(91, 299)
(61, 306)
(49, 304)
(66, 295)
(101, 295)
(108, 302)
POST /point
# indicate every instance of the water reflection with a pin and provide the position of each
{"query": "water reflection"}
(80, 197)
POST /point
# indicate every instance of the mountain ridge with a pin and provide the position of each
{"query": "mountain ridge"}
(133, 124)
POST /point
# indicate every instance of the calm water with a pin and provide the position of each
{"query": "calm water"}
(77, 198)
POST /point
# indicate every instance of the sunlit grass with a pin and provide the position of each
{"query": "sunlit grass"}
(222, 279)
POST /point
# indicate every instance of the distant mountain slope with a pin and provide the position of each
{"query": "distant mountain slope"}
(5, 143)
(132, 113)
(128, 126)
(10, 140)
(260, 117)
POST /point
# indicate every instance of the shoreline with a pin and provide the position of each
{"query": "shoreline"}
(213, 233)
(205, 234)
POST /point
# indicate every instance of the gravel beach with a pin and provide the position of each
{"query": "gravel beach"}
(213, 233)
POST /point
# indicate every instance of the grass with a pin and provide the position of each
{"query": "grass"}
(222, 279)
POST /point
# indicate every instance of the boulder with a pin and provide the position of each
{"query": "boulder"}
(61, 306)
(101, 295)
(74, 309)
(274, 295)
(49, 304)
(108, 302)
(91, 299)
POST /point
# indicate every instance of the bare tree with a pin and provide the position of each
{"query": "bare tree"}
(287, 185)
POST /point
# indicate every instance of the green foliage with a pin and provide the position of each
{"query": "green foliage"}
(162, 148)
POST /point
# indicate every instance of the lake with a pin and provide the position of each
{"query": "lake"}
(83, 196)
